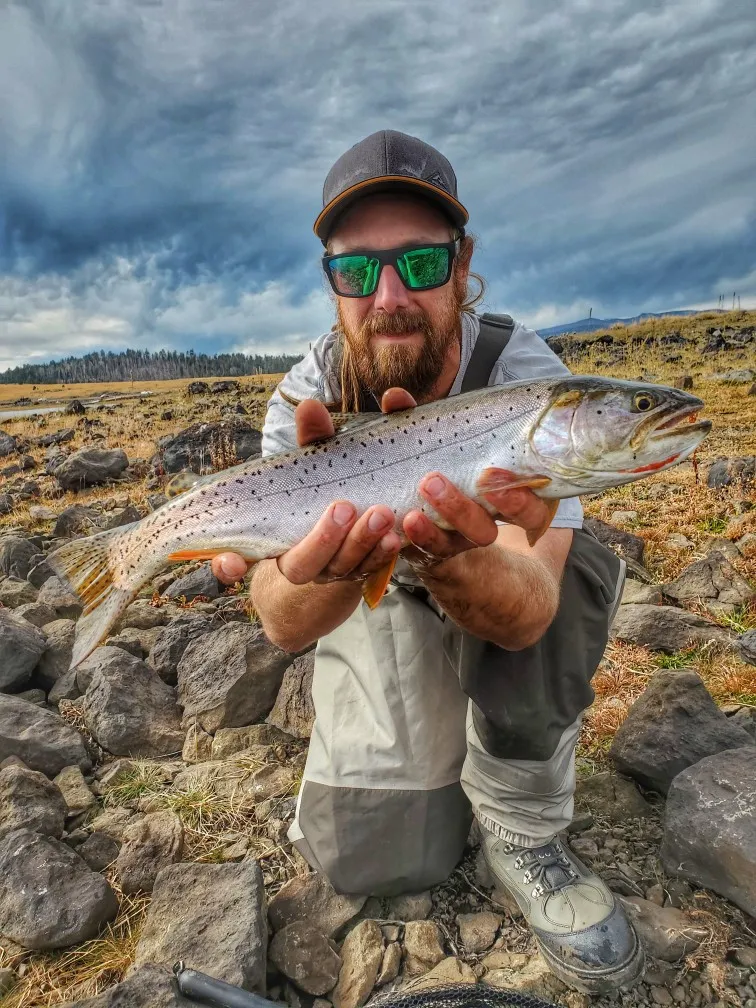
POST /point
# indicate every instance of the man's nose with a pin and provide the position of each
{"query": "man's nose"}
(390, 293)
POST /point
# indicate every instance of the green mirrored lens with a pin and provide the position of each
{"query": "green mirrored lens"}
(354, 274)
(424, 267)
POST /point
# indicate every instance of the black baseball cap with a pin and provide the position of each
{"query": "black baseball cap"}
(389, 161)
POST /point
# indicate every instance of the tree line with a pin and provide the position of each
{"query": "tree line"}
(141, 365)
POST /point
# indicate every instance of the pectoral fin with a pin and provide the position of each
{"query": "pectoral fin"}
(373, 588)
(535, 534)
(493, 480)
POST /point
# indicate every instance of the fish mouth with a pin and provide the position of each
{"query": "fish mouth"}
(682, 421)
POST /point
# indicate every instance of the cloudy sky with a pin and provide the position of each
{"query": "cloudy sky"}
(161, 161)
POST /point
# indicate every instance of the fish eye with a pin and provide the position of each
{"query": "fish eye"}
(643, 402)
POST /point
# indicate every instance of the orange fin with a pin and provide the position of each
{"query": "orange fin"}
(492, 480)
(201, 554)
(373, 588)
(535, 534)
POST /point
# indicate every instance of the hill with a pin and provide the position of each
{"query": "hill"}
(592, 324)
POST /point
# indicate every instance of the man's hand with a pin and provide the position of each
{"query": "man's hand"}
(344, 546)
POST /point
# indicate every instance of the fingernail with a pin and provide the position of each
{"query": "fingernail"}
(377, 521)
(229, 568)
(343, 513)
(435, 486)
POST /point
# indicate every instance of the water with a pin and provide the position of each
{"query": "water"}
(89, 404)
(37, 411)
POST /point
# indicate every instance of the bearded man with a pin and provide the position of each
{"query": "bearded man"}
(462, 693)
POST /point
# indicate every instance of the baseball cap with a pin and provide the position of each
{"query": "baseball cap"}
(388, 161)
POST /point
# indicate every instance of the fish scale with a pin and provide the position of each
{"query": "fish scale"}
(559, 436)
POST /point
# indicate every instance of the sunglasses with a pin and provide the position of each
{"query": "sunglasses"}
(421, 267)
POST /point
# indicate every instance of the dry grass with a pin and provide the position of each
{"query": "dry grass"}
(85, 390)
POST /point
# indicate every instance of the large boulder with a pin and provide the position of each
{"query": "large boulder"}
(8, 444)
(15, 556)
(294, 711)
(89, 467)
(305, 955)
(713, 581)
(172, 640)
(623, 543)
(49, 897)
(39, 737)
(312, 898)
(710, 826)
(613, 797)
(747, 646)
(29, 800)
(727, 471)
(56, 593)
(230, 677)
(129, 709)
(666, 628)
(361, 960)
(673, 724)
(199, 582)
(21, 645)
(212, 916)
(15, 593)
(667, 933)
(197, 447)
(56, 659)
(147, 986)
(78, 519)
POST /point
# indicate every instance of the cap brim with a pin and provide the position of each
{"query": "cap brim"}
(448, 205)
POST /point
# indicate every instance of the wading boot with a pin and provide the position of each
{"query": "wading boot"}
(582, 932)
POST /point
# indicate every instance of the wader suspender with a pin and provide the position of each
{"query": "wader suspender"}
(495, 332)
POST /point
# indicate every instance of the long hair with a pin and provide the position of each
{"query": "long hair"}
(348, 379)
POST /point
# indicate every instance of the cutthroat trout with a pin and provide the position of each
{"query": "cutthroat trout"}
(561, 437)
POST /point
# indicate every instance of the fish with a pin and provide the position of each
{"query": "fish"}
(559, 436)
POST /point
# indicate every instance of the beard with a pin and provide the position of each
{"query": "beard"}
(414, 368)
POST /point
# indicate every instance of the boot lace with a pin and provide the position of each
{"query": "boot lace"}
(548, 866)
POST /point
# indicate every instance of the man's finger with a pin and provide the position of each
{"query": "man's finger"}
(229, 567)
(366, 533)
(459, 510)
(303, 562)
(521, 507)
(313, 422)
(394, 399)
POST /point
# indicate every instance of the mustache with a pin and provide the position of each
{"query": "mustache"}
(398, 323)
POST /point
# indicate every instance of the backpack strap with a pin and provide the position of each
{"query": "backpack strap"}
(495, 333)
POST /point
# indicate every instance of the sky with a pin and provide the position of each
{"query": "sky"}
(162, 161)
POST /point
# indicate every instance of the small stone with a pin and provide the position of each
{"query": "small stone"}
(585, 848)
(655, 894)
(56, 593)
(8, 978)
(75, 790)
(392, 960)
(148, 846)
(305, 955)
(197, 745)
(501, 959)
(623, 517)
(99, 851)
(667, 934)
(28, 800)
(679, 541)
(414, 907)
(422, 947)
(478, 931)
(661, 996)
(745, 957)
(637, 592)
(114, 821)
(361, 959)
(448, 972)
(230, 741)
(312, 898)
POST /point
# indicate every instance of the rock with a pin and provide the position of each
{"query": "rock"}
(534, 978)
(313, 899)
(727, 471)
(711, 579)
(678, 541)
(99, 851)
(390, 964)
(735, 377)
(36, 613)
(6, 504)
(194, 448)
(304, 954)
(39, 737)
(229, 779)
(39, 570)
(197, 745)
(422, 947)
(89, 467)
(55, 438)
(29, 801)
(745, 718)
(623, 517)
(710, 826)
(147, 986)
(137, 642)
(200, 582)
(172, 640)
(293, 711)
(230, 677)
(635, 592)
(114, 821)
(148, 846)
(449, 971)
(42, 513)
(225, 386)
(197, 388)
(410, 907)
(212, 916)
(665, 628)
(8, 444)
(56, 593)
(613, 797)
(129, 710)
(75, 790)
(625, 544)
(49, 898)
(229, 741)
(144, 616)
(21, 645)
(361, 960)
(746, 646)
(673, 724)
(15, 554)
(745, 957)
(56, 658)
(477, 931)
(684, 382)
(78, 519)
(8, 978)
(75, 408)
(666, 933)
(119, 517)
(15, 593)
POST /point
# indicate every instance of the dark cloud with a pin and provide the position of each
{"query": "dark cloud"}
(162, 161)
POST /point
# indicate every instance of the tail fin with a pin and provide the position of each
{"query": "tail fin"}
(86, 564)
